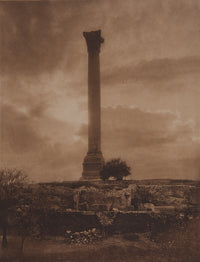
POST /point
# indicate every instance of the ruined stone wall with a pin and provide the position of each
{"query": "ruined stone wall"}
(123, 196)
(138, 197)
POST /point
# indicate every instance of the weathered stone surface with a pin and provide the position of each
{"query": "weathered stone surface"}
(92, 165)
(93, 161)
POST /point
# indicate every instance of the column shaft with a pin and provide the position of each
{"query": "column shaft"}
(93, 161)
(94, 112)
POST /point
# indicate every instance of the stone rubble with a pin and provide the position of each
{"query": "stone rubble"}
(84, 237)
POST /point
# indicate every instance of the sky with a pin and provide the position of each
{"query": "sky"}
(150, 86)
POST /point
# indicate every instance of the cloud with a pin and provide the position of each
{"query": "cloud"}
(155, 144)
(41, 36)
(150, 54)
(18, 132)
(41, 145)
(124, 127)
(154, 70)
(36, 37)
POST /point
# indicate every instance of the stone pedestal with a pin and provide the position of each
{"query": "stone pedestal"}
(93, 161)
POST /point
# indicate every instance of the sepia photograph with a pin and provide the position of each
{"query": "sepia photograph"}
(100, 131)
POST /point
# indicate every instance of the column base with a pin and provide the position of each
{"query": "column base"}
(92, 165)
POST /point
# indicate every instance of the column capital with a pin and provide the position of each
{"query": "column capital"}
(93, 40)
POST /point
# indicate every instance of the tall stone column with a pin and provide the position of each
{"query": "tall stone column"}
(93, 161)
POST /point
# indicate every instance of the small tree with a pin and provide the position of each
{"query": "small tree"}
(26, 223)
(30, 216)
(10, 181)
(115, 168)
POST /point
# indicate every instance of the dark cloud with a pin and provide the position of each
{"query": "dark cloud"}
(155, 144)
(40, 146)
(18, 132)
(38, 110)
(149, 46)
(26, 33)
(34, 38)
(43, 146)
(154, 70)
(47, 35)
(131, 127)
